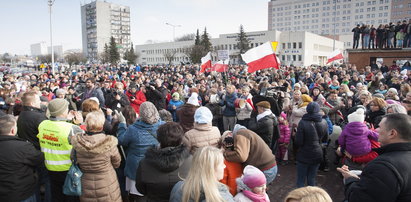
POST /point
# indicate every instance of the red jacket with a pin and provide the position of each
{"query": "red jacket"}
(139, 99)
(232, 171)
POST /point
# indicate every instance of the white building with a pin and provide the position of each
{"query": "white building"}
(38, 49)
(58, 50)
(100, 21)
(297, 48)
(320, 16)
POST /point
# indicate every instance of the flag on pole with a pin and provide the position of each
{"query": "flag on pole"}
(221, 66)
(261, 57)
(206, 62)
(335, 55)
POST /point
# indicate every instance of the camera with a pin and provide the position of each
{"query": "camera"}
(132, 97)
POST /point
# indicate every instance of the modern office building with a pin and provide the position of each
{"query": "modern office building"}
(100, 21)
(38, 49)
(296, 48)
(329, 17)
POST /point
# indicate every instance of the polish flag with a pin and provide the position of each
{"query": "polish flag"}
(221, 66)
(335, 55)
(261, 57)
(206, 62)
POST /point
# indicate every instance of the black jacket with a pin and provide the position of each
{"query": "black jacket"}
(266, 128)
(156, 97)
(386, 178)
(160, 170)
(308, 137)
(18, 160)
(28, 124)
(114, 104)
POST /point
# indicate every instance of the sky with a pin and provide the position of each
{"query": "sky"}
(26, 22)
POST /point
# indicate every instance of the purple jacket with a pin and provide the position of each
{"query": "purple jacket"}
(355, 138)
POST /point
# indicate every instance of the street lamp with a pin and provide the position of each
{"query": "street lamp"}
(174, 29)
(50, 3)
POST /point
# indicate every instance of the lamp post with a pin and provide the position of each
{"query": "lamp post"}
(335, 19)
(174, 29)
(50, 3)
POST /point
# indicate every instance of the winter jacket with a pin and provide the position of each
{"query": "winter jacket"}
(160, 170)
(329, 124)
(177, 104)
(285, 134)
(265, 128)
(138, 137)
(232, 171)
(200, 136)
(18, 160)
(115, 104)
(228, 101)
(97, 156)
(157, 97)
(177, 193)
(296, 115)
(185, 115)
(139, 98)
(28, 124)
(94, 92)
(250, 149)
(386, 178)
(355, 138)
(308, 137)
(374, 118)
(216, 111)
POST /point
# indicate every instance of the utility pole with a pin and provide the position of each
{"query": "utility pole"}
(335, 19)
(50, 3)
(174, 29)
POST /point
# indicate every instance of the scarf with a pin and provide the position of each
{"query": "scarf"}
(265, 113)
(254, 197)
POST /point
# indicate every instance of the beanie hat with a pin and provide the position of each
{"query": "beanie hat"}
(149, 113)
(326, 110)
(379, 95)
(357, 116)
(203, 115)
(253, 177)
(57, 106)
(176, 95)
(313, 108)
(393, 90)
(297, 85)
(264, 104)
(193, 99)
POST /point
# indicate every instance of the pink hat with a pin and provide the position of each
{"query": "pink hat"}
(253, 177)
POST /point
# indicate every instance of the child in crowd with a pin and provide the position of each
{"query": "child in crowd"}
(284, 140)
(251, 186)
(232, 170)
(174, 104)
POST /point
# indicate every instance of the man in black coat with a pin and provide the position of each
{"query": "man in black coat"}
(18, 160)
(388, 177)
(356, 37)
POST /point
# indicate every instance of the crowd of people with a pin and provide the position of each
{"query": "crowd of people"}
(384, 36)
(171, 133)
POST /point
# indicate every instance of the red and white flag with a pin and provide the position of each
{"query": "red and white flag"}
(261, 57)
(221, 66)
(335, 55)
(206, 62)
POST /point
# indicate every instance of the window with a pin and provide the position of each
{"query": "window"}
(288, 57)
(284, 47)
(294, 58)
(300, 44)
(294, 45)
(283, 57)
(289, 45)
(299, 57)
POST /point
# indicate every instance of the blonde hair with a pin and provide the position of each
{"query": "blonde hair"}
(95, 121)
(308, 194)
(202, 175)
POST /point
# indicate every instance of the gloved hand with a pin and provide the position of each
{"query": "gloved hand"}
(120, 117)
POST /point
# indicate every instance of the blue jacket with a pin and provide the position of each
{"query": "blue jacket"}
(137, 139)
(228, 102)
(329, 124)
(173, 112)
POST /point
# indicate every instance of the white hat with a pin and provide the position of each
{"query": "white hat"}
(193, 99)
(357, 116)
(203, 115)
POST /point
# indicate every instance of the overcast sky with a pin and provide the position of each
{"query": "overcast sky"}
(25, 22)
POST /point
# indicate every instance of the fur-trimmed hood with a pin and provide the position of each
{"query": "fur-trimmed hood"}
(98, 143)
(167, 159)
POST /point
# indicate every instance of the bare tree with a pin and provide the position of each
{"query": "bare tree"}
(186, 37)
(170, 54)
(75, 58)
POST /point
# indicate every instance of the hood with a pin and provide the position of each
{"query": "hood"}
(167, 159)
(188, 109)
(356, 128)
(96, 144)
(203, 127)
(141, 124)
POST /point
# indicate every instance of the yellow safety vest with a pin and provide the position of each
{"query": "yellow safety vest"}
(53, 137)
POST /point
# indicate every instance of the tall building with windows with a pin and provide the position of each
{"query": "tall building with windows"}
(329, 17)
(100, 21)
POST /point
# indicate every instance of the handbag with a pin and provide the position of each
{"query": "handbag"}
(72, 183)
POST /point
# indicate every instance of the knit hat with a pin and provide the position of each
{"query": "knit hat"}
(264, 104)
(306, 99)
(193, 99)
(149, 113)
(393, 90)
(57, 106)
(253, 177)
(60, 91)
(203, 115)
(313, 108)
(326, 110)
(357, 116)
(176, 95)
(379, 95)
(297, 85)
